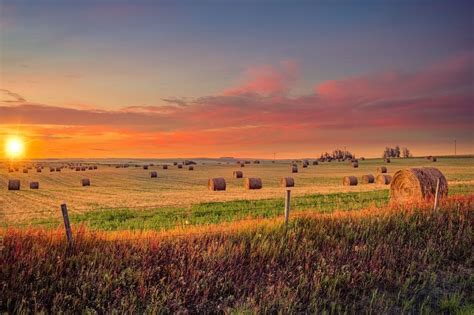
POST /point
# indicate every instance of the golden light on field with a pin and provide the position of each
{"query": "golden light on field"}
(14, 147)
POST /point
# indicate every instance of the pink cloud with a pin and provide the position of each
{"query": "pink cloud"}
(261, 115)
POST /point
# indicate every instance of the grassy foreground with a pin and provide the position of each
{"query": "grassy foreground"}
(377, 260)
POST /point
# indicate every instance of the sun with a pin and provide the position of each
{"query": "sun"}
(14, 147)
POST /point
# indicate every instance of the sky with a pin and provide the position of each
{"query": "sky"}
(236, 78)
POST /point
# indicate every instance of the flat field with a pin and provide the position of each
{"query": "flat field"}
(134, 197)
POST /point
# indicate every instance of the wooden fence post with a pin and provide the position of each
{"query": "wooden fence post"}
(67, 225)
(436, 200)
(287, 206)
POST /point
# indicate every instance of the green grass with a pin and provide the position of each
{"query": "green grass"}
(217, 212)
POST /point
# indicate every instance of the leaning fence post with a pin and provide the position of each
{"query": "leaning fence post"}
(67, 225)
(435, 206)
(287, 206)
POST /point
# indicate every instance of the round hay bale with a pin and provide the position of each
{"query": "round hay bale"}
(145, 167)
(14, 184)
(253, 183)
(238, 174)
(191, 168)
(287, 182)
(349, 181)
(153, 174)
(165, 167)
(383, 179)
(90, 168)
(433, 159)
(38, 170)
(355, 164)
(95, 167)
(315, 163)
(180, 165)
(368, 179)
(52, 169)
(415, 184)
(382, 169)
(242, 165)
(83, 168)
(58, 169)
(34, 185)
(175, 163)
(387, 160)
(25, 170)
(256, 162)
(85, 182)
(216, 184)
(305, 165)
(294, 169)
(78, 169)
(11, 170)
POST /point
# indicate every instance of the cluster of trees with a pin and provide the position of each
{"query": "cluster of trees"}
(337, 155)
(396, 152)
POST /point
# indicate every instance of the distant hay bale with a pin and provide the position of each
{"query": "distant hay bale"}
(58, 169)
(34, 185)
(294, 169)
(238, 174)
(355, 164)
(145, 167)
(25, 170)
(95, 167)
(368, 179)
(382, 169)
(90, 168)
(153, 174)
(165, 167)
(315, 162)
(180, 165)
(349, 181)
(242, 165)
(256, 162)
(416, 184)
(432, 158)
(52, 169)
(253, 183)
(16, 169)
(362, 158)
(78, 169)
(38, 170)
(85, 182)
(387, 160)
(247, 162)
(305, 165)
(14, 184)
(175, 163)
(191, 168)
(11, 170)
(287, 182)
(83, 168)
(383, 179)
(216, 184)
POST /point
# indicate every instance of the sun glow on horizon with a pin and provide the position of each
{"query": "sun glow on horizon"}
(14, 147)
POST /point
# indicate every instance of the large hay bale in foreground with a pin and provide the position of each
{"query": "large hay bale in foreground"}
(415, 184)
(34, 185)
(85, 182)
(153, 174)
(383, 179)
(216, 184)
(382, 169)
(287, 182)
(349, 181)
(14, 184)
(368, 179)
(238, 174)
(253, 183)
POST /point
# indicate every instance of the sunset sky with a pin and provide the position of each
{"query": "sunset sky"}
(236, 78)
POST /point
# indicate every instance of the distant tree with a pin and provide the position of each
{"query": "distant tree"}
(392, 152)
(397, 151)
(406, 152)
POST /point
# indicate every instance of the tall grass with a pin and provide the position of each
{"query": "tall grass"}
(388, 260)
